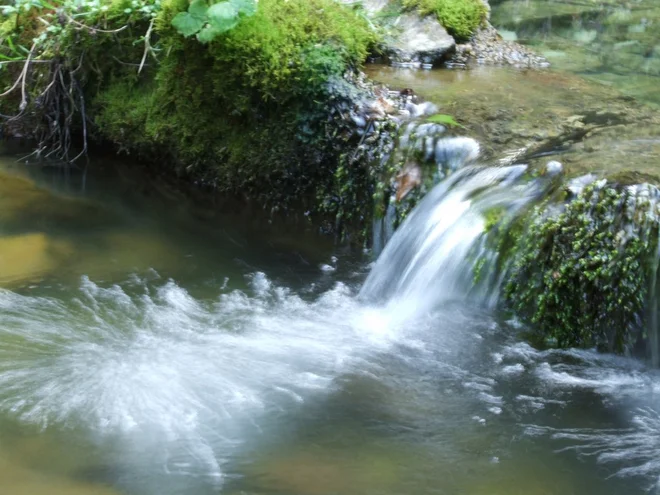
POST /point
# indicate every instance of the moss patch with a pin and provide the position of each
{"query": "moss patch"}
(461, 18)
(581, 275)
(251, 113)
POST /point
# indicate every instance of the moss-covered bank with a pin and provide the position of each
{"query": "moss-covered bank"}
(263, 112)
(461, 18)
(248, 113)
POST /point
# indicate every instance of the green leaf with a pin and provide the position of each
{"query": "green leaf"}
(186, 24)
(223, 16)
(245, 7)
(198, 9)
(189, 23)
(207, 34)
(442, 118)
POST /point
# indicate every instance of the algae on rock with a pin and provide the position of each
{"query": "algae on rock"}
(582, 270)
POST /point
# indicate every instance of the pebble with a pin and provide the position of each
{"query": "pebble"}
(488, 47)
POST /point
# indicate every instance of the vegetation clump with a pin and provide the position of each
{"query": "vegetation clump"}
(249, 98)
(461, 18)
(582, 272)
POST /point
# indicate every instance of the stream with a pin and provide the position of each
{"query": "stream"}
(147, 355)
(196, 353)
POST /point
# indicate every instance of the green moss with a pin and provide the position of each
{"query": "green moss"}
(493, 217)
(253, 113)
(461, 18)
(258, 113)
(581, 274)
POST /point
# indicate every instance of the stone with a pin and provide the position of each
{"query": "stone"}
(552, 168)
(417, 41)
(455, 152)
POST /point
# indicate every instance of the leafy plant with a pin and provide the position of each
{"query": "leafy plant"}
(444, 119)
(207, 22)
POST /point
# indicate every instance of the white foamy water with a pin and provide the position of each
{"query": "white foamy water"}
(625, 387)
(155, 362)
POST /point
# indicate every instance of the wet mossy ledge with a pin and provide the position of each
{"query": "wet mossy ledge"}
(267, 106)
(271, 110)
(581, 265)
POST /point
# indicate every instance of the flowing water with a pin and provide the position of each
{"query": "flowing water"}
(146, 355)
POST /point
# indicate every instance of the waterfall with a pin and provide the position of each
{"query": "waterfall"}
(431, 257)
(585, 272)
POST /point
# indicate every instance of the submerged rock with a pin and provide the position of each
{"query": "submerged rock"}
(30, 257)
(25, 207)
(16, 479)
(313, 471)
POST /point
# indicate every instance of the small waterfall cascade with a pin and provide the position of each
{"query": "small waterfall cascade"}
(424, 156)
(578, 269)
(432, 255)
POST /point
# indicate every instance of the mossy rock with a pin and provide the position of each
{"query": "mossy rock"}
(461, 18)
(249, 113)
(582, 274)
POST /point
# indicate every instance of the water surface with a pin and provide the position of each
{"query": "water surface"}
(147, 349)
(614, 43)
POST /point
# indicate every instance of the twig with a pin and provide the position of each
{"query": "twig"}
(147, 45)
(21, 77)
(84, 121)
(21, 81)
(93, 29)
(24, 99)
(130, 64)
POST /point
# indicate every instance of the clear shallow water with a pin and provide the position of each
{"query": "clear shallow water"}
(614, 43)
(212, 358)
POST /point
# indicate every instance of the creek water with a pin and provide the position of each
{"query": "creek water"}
(614, 43)
(143, 353)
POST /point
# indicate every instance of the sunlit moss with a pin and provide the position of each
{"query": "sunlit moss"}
(461, 18)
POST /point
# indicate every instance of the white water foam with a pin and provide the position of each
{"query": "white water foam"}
(157, 365)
